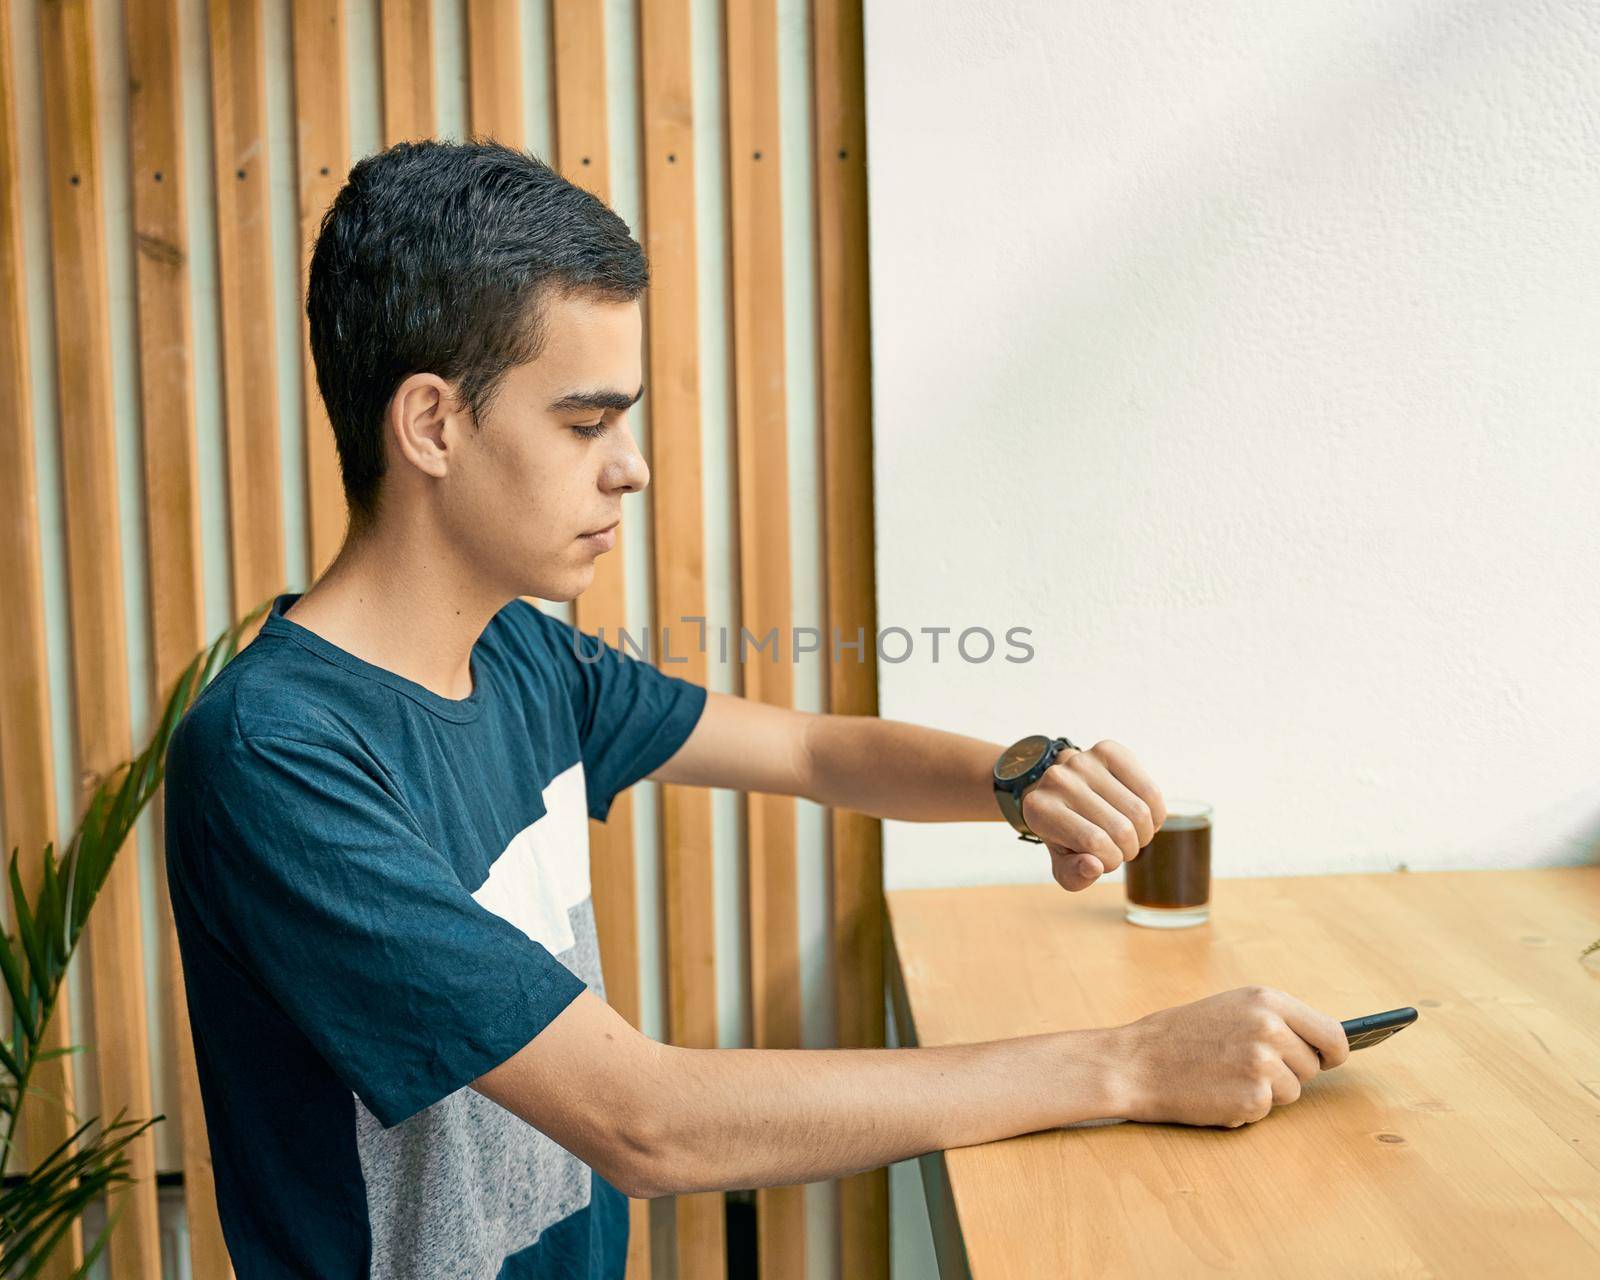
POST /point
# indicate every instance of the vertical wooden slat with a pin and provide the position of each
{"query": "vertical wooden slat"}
(27, 788)
(244, 265)
(322, 137)
(102, 718)
(755, 208)
(666, 103)
(407, 35)
(494, 73)
(172, 504)
(583, 154)
(845, 400)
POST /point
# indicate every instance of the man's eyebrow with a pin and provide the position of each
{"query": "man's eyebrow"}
(579, 400)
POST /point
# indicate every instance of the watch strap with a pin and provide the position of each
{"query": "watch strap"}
(1009, 798)
(1011, 808)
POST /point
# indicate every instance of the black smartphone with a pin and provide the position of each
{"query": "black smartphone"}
(1367, 1031)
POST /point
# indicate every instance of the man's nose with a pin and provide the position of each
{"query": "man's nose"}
(630, 471)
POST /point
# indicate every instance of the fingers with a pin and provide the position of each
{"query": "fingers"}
(1300, 1058)
(1120, 814)
(1276, 1086)
(1285, 1086)
(1073, 871)
(1323, 1033)
(1132, 775)
(1052, 809)
(1080, 784)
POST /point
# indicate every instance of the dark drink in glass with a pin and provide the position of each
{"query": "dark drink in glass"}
(1169, 883)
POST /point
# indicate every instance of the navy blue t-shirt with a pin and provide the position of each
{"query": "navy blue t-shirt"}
(380, 894)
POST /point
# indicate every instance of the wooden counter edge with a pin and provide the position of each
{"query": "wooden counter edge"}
(949, 1247)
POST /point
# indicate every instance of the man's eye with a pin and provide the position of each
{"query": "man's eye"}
(589, 430)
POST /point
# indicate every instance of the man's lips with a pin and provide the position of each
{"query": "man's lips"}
(592, 533)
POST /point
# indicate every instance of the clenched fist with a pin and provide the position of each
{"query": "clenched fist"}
(1226, 1060)
(1094, 810)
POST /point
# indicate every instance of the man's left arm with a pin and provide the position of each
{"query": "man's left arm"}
(1094, 809)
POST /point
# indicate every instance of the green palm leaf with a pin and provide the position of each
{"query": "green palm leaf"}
(36, 1212)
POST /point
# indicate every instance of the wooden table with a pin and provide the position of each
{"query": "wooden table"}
(1467, 1145)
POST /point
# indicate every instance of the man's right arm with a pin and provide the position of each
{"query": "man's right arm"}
(657, 1120)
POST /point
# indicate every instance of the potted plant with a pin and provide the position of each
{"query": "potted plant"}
(38, 1208)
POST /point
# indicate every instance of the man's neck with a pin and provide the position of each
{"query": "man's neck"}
(409, 608)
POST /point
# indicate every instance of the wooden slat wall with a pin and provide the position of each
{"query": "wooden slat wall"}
(407, 57)
(172, 506)
(102, 717)
(686, 326)
(244, 263)
(672, 318)
(765, 582)
(583, 155)
(845, 393)
(322, 137)
(494, 70)
(27, 787)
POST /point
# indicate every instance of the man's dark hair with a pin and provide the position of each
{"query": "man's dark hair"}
(439, 257)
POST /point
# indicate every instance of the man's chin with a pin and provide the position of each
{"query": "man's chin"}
(566, 586)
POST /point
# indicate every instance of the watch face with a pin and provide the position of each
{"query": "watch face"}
(1020, 757)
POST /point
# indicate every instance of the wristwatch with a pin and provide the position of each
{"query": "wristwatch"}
(1020, 766)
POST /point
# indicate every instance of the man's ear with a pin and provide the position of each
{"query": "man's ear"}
(419, 412)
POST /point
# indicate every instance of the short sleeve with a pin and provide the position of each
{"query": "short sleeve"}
(321, 884)
(631, 717)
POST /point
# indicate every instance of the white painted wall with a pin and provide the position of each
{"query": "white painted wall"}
(1265, 337)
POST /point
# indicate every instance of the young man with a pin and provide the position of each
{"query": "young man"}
(377, 813)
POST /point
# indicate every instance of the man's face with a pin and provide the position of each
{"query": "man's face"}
(553, 456)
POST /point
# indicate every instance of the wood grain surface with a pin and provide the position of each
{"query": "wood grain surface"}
(322, 159)
(102, 713)
(172, 485)
(844, 394)
(245, 280)
(679, 559)
(766, 592)
(27, 783)
(1467, 1145)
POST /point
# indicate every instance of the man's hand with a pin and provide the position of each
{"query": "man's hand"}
(1226, 1060)
(1094, 810)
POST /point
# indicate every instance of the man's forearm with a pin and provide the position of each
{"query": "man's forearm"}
(893, 769)
(724, 1118)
